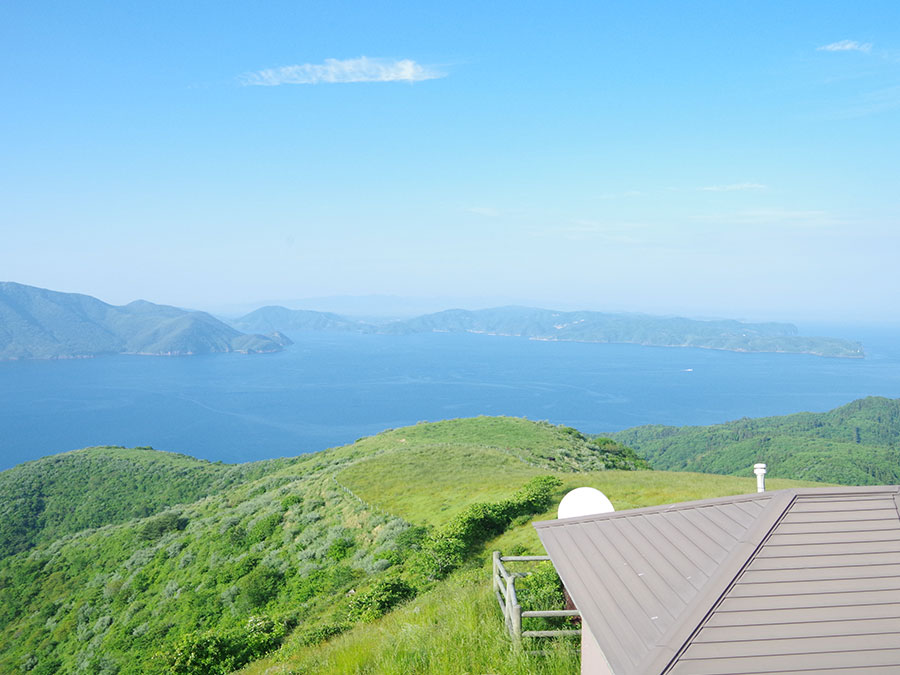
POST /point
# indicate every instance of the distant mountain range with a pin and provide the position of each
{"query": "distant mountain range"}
(36, 323)
(40, 324)
(545, 324)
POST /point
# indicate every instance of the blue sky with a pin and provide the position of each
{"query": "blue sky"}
(700, 158)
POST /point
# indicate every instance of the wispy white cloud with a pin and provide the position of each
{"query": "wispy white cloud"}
(846, 46)
(363, 69)
(733, 187)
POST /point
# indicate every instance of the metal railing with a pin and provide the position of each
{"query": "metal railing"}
(504, 584)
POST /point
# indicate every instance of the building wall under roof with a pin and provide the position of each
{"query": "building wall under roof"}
(592, 660)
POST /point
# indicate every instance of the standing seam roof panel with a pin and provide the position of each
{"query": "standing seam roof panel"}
(804, 604)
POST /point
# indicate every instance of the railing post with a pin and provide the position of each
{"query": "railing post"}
(513, 610)
(516, 616)
(495, 571)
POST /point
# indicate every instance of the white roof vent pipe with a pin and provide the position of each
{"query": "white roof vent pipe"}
(760, 471)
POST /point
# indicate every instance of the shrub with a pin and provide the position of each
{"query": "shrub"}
(223, 651)
(317, 634)
(542, 590)
(260, 586)
(289, 501)
(164, 522)
(382, 597)
(446, 549)
(340, 548)
(263, 528)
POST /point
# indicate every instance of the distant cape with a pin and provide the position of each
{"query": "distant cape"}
(36, 323)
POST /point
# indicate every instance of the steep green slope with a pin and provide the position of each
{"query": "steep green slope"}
(856, 444)
(36, 323)
(74, 491)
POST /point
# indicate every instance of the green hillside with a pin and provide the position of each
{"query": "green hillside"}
(62, 494)
(284, 555)
(856, 444)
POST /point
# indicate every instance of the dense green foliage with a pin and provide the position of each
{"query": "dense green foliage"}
(447, 548)
(62, 494)
(39, 324)
(856, 444)
(222, 651)
(545, 324)
(541, 590)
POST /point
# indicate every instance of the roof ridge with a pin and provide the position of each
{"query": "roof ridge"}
(663, 508)
(679, 635)
(732, 499)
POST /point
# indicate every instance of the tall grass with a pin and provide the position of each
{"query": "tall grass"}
(456, 628)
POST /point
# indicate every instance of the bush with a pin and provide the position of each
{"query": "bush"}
(542, 590)
(223, 651)
(317, 634)
(445, 550)
(164, 522)
(263, 528)
(260, 586)
(378, 600)
(340, 548)
(289, 501)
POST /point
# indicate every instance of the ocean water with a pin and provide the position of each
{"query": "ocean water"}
(330, 389)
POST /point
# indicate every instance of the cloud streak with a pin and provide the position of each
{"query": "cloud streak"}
(362, 69)
(734, 187)
(846, 46)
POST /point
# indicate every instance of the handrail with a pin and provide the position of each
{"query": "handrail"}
(504, 585)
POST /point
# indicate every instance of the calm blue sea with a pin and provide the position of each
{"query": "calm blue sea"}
(330, 389)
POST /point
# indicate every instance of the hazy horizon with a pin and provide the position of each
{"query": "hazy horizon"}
(702, 160)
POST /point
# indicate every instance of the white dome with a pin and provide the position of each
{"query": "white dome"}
(584, 501)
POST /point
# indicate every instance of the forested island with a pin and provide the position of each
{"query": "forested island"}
(583, 326)
(36, 323)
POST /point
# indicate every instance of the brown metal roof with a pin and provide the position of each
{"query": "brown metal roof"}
(780, 582)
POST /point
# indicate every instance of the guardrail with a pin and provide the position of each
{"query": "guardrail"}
(504, 584)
